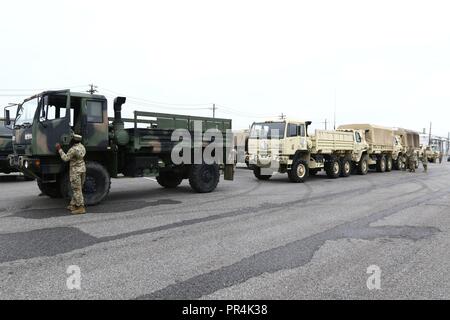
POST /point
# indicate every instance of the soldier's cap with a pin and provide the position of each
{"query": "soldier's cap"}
(76, 137)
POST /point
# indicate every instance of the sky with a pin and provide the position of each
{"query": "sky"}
(382, 62)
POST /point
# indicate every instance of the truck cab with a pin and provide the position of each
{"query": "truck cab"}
(49, 118)
(277, 140)
(6, 147)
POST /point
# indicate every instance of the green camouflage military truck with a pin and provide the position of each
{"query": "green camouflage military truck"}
(146, 147)
(6, 148)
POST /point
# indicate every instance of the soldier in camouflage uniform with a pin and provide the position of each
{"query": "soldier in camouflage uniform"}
(77, 173)
(425, 160)
(412, 158)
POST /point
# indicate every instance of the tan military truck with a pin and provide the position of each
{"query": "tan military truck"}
(404, 140)
(380, 141)
(286, 147)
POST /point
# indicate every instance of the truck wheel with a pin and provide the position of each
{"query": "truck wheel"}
(169, 179)
(333, 168)
(96, 187)
(28, 178)
(363, 166)
(397, 164)
(49, 189)
(204, 177)
(258, 175)
(346, 168)
(381, 164)
(299, 171)
(389, 164)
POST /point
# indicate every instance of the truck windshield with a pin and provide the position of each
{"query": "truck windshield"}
(268, 130)
(3, 129)
(26, 111)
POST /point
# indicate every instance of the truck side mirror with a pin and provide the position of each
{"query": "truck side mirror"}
(7, 118)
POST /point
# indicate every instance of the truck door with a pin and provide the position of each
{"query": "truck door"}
(95, 125)
(295, 138)
(53, 125)
(360, 145)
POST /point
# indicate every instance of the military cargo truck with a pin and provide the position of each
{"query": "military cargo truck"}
(286, 147)
(403, 141)
(6, 148)
(145, 148)
(380, 141)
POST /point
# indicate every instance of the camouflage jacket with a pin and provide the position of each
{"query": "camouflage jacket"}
(76, 157)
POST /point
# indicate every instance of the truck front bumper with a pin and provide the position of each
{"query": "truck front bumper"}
(266, 161)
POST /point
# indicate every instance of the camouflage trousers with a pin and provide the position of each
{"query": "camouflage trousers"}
(76, 182)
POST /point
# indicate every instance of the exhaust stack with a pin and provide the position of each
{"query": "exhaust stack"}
(118, 122)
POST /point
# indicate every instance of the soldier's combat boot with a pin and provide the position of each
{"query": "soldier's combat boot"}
(79, 210)
(70, 207)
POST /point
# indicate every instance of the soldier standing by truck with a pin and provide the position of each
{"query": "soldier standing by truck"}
(77, 173)
(425, 160)
(412, 158)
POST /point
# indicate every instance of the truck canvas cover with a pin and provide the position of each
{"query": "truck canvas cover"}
(409, 138)
(377, 137)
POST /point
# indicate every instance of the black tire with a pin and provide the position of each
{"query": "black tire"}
(397, 164)
(169, 179)
(28, 178)
(299, 171)
(333, 168)
(346, 168)
(389, 164)
(381, 164)
(258, 175)
(363, 165)
(96, 186)
(49, 189)
(204, 178)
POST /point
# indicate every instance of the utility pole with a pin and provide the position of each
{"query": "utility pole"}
(282, 116)
(214, 110)
(326, 124)
(429, 140)
(335, 106)
(93, 89)
(448, 143)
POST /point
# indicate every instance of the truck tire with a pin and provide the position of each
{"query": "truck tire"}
(169, 179)
(333, 168)
(28, 178)
(96, 186)
(204, 178)
(381, 164)
(363, 165)
(346, 167)
(397, 164)
(299, 171)
(258, 175)
(49, 189)
(389, 164)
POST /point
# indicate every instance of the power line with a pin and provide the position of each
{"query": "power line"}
(153, 101)
(42, 89)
